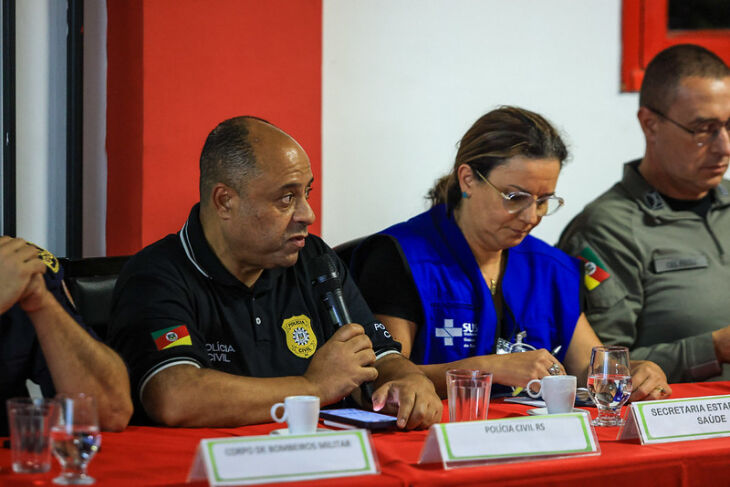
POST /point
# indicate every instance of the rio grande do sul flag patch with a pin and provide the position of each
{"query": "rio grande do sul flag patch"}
(171, 337)
(595, 269)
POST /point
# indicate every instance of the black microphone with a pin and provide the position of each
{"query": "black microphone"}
(327, 285)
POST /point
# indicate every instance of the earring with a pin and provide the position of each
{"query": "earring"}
(465, 195)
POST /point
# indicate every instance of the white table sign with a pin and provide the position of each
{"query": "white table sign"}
(671, 420)
(510, 439)
(264, 459)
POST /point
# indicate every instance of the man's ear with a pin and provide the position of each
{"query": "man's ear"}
(222, 197)
(649, 122)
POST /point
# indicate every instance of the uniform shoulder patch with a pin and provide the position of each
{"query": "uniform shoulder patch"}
(300, 338)
(173, 336)
(48, 258)
(595, 269)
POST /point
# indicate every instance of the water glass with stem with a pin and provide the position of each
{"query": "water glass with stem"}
(75, 437)
(609, 383)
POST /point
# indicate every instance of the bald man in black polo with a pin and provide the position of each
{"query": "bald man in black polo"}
(219, 321)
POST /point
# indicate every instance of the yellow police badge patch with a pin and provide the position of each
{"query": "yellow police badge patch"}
(48, 258)
(300, 337)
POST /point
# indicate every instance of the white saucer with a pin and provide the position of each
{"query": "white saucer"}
(285, 431)
(542, 411)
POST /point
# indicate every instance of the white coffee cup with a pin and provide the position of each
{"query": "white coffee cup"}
(301, 414)
(558, 392)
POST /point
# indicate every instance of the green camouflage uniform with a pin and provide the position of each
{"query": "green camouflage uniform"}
(668, 284)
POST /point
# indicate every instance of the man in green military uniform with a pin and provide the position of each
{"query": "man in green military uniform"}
(656, 244)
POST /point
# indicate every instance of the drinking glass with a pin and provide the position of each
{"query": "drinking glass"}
(468, 392)
(30, 429)
(75, 437)
(609, 383)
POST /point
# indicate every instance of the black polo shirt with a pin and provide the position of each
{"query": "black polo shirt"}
(175, 303)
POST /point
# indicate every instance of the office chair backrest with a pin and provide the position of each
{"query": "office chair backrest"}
(91, 283)
(344, 250)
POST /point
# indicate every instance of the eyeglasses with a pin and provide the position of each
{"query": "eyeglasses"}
(706, 131)
(518, 201)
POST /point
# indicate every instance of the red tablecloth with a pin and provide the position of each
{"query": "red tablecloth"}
(162, 457)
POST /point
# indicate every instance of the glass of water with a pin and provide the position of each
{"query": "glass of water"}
(468, 392)
(609, 383)
(75, 437)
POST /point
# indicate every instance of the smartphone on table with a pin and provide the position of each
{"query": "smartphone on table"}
(351, 418)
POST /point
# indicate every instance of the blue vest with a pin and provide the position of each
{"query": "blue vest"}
(540, 289)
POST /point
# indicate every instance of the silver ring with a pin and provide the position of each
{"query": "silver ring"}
(554, 369)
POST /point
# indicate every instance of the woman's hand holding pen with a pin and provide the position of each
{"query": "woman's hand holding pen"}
(555, 368)
(517, 369)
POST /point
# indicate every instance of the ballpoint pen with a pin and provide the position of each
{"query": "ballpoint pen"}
(517, 390)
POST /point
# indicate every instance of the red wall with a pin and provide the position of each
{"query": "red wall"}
(177, 68)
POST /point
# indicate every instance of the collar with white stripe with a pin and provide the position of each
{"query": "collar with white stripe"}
(203, 258)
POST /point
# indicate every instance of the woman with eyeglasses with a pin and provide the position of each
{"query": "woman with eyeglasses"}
(451, 282)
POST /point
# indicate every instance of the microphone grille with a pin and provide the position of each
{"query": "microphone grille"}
(323, 268)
